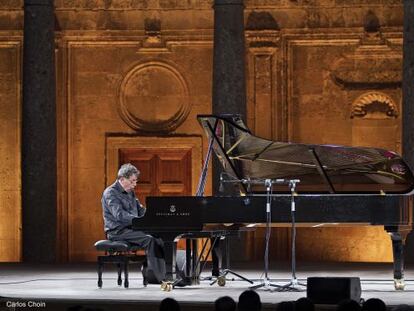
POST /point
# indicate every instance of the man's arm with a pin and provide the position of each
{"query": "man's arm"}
(118, 211)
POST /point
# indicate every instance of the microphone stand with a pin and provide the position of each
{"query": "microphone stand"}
(221, 278)
(266, 284)
(292, 285)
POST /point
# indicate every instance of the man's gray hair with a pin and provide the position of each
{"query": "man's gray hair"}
(127, 170)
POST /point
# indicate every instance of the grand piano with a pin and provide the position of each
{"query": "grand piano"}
(335, 185)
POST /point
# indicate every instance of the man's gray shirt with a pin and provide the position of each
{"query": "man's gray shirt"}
(119, 208)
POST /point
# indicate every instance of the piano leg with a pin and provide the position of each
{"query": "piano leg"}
(188, 257)
(217, 257)
(170, 249)
(398, 236)
(195, 270)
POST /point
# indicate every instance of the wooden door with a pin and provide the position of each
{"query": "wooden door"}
(164, 171)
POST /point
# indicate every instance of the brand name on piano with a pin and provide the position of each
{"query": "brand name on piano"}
(171, 214)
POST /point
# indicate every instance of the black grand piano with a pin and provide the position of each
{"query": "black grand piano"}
(338, 185)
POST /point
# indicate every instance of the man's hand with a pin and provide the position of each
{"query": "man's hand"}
(140, 205)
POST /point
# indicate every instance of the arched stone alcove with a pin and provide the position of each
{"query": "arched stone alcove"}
(375, 121)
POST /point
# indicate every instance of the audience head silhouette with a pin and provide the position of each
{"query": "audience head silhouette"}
(249, 300)
(169, 304)
(348, 305)
(225, 303)
(374, 304)
(286, 306)
(304, 304)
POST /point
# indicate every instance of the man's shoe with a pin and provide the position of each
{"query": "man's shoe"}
(215, 273)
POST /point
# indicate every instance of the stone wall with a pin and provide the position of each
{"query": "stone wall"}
(317, 72)
(10, 122)
(115, 86)
(11, 20)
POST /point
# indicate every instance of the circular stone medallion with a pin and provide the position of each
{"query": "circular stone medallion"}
(154, 97)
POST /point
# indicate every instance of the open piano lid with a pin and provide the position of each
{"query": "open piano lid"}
(320, 168)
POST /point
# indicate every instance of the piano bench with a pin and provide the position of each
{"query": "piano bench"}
(120, 253)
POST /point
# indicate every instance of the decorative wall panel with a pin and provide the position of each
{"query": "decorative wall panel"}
(263, 111)
(144, 80)
(10, 123)
(154, 97)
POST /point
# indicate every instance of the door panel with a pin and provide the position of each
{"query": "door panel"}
(174, 172)
(164, 171)
(146, 163)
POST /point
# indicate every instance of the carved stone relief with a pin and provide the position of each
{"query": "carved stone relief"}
(375, 63)
(262, 30)
(154, 97)
(375, 120)
(374, 105)
(153, 33)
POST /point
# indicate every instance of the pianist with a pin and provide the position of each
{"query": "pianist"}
(120, 206)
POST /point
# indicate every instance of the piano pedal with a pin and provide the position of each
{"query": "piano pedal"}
(399, 284)
(166, 286)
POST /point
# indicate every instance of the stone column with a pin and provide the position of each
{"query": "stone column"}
(408, 103)
(408, 84)
(229, 83)
(39, 133)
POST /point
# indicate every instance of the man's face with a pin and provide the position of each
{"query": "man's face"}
(130, 183)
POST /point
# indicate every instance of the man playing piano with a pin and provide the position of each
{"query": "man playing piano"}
(120, 206)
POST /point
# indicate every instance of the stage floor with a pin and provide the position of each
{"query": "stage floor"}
(57, 287)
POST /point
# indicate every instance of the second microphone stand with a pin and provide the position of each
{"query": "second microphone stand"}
(294, 283)
(266, 284)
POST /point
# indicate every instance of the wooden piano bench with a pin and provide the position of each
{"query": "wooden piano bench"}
(121, 254)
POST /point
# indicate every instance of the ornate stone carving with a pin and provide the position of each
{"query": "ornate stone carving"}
(370, 66)
(261, 21)
(153, 33)
(154, 97)
(374, 64)
(262, 30)
(374, 105)
(371, 22)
